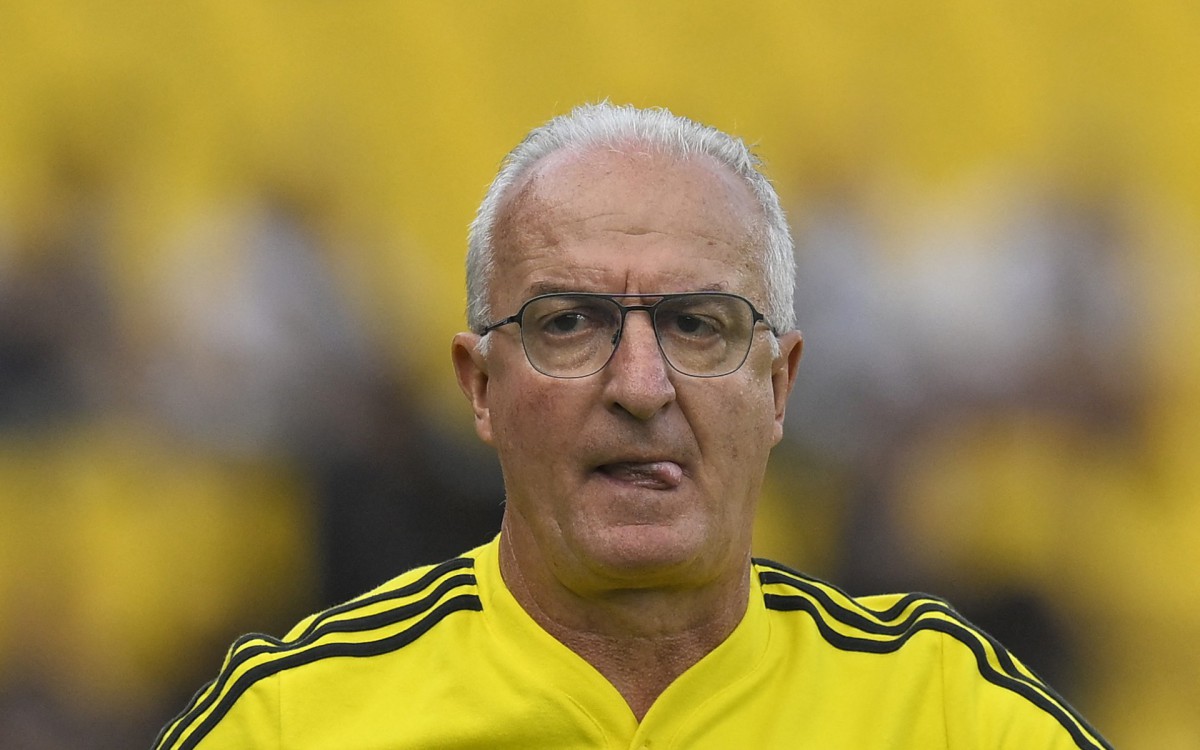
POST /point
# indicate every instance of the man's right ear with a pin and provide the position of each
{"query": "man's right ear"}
(470, 367)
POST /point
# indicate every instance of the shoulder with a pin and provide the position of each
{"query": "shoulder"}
(411, 603)
(876, 624)
(925, 632)
(384, 620)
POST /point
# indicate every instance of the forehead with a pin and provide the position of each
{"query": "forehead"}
(625, 220)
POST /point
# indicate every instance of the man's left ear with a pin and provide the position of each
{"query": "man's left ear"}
(783, 375)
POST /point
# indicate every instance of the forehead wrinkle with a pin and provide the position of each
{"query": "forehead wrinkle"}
(552, 286)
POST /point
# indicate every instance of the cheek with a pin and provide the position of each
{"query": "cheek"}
(526, 419)
(742, 433)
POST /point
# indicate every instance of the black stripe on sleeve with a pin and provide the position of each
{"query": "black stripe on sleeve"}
(290, 661)
(857, 619)
(819, 591)
(779, 573)
(815, 601)
(254, 644)
(422, 583)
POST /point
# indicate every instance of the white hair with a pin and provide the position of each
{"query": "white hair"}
(610, 126)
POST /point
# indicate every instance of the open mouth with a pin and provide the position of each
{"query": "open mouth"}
(655, 475)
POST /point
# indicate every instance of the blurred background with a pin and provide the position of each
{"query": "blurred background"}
(231, 249)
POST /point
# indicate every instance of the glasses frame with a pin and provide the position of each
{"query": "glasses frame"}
(518, 317)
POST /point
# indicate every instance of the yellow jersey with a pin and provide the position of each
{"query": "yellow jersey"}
(445, 657)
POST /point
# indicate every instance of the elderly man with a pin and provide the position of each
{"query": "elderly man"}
(631, 355)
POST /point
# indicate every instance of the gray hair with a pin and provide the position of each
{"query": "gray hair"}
(608, 125)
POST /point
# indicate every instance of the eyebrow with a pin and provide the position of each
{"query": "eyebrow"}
(558, 287)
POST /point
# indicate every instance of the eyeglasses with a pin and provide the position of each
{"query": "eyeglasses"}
(575, 334)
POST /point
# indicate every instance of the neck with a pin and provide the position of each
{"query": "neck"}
(641, 640)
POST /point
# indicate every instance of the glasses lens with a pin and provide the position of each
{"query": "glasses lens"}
(706, 335)
(569, 336)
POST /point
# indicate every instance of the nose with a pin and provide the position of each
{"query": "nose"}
(637, 378)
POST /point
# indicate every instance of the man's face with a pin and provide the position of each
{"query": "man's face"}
(637, 476)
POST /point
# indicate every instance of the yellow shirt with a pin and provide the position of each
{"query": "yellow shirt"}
(444, 657)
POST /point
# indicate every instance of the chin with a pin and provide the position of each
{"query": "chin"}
(652, 555)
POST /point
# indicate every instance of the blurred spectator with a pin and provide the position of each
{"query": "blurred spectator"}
(53, 330)
(57, 332)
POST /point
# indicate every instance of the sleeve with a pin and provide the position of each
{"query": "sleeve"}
(238, 710)
(241, 707)
(994, 702)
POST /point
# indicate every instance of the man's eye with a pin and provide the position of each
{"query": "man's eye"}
(692, 325)
(567, 322)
